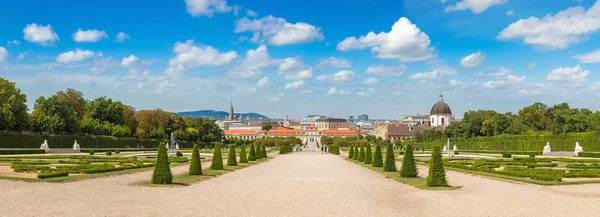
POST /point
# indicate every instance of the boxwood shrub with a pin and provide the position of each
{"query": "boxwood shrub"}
(45, 175)
(22, 151)
(506, 155)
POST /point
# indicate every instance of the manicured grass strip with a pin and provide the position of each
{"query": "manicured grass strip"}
(518, 179)
(208, 173)
(73, 178)
(417, 182)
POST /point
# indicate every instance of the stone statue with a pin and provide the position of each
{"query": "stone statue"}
(547, 148)
(45, 146)
(167, 146)
(455, 148)
(76, 146)
(445, 148)
(176, 146)
(578, 149)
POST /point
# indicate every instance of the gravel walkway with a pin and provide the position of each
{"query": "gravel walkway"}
(300, 184)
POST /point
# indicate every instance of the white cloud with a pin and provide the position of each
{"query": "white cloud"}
(294, 85)
(198, 8)
(503, 82)
(191, 55)
(251, 13)
(456, 83)
(251, 90)
(39, 34)
(104, 64)
(479, 75)
(293, 69)
(366, 93)
(263, 81)
(499, 71)
(129, 61)
(3, 54)
(277, 31)
(121, 37)
(76, 55)
(593, 57)
(333, 62)
(531, 65)
(404, 42)
(515, 79)
(253, 64)
(567, 27)
(473, 61)
(568, 74)
(335, 91)
(91, 35)
(371, 81)
(435, 74)
(13, 43)
(22, 55)
(510, 13)
(321, 77)
(476, 6)
(339, 77)
(175, 71)
(381, 70)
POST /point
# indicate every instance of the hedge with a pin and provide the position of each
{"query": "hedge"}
(117, 149)
(34, 140)
(589, 154)
(21, 151)
(45, 175)
(502, 152)
(285, 149)
(334, 149)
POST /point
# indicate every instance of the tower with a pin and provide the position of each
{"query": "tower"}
(231, 113)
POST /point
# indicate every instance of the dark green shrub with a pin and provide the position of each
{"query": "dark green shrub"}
(117, 151)
(589, 154)
(368, 155)
(356, 153)
(108, 153)
(45, 175)
(162, 170)
(231, 160)
(179, 154)
(195, 165)
(92, 152)
(456, 153)
(252, 155)
(259, 154)
(21, 151)
(437, 175)
(217, 160)
(506, 155)
(532, 155)
(409, 167)
(361, 155)
(333, 149)
(377, 158)
(264, 151)
(285, 149)
(351, 152)
(390, 160)
(243, 156)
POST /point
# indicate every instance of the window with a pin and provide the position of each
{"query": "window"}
(432, 120)
(442, 120)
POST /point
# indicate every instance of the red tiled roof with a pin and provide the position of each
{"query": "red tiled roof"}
(282, 131)
(345, 124)
(342, 132)
(236, 132)
(311, 127)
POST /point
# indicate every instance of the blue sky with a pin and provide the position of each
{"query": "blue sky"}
(307, 57)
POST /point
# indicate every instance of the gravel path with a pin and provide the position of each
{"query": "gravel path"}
(301, 184)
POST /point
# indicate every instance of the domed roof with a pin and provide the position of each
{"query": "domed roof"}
(440, 108)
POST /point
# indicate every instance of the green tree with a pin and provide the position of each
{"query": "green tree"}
(162, 170)
(351, 152)
(437, 175)
(217, 160)
(377, 158)
(368, 155)
(75, 99)
(390, 160)
(243, 156)
(196, 164)
(409, 167)
(356, 153)
(231, 159)
(264, 152)
(13, 107)
(267, 126)
(252, 155)
(361, 155)
(54, 115)
(258, 154)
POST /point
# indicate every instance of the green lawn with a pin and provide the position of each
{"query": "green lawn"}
(185, 179)
(418, 182)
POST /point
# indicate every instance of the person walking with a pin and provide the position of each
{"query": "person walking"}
(325, 149)
(322, 149)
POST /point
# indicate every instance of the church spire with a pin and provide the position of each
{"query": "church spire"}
(231, 113)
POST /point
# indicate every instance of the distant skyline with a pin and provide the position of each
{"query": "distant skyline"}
(384, 58)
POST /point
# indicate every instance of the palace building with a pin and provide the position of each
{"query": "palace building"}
(311, 134)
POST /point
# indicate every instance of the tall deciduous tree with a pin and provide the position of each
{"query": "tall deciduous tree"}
(13, 107)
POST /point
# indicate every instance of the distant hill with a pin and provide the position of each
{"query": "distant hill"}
(219, 115)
